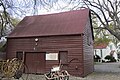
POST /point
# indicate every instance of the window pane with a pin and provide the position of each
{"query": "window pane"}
(19, 55)
(63, 57)
(52, 56)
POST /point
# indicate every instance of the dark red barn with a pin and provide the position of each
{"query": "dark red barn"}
(44, 40)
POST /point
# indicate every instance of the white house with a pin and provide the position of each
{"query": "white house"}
(118, 47)
(118, 50)
(104, 49)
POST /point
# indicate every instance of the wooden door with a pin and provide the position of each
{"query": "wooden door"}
(35, 62)
(40, 63)
(63, 57)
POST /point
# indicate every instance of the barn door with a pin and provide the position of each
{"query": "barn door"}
(35, 63)
(63, 57)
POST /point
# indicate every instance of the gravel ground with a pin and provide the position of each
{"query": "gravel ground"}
(103, 71)
(93, 76)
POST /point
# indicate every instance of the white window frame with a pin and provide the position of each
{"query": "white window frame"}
(51, 56)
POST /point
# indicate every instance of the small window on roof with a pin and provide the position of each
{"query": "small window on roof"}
(88, 37)
(51, 56)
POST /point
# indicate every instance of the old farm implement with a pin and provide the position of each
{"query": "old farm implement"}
(57, 74)
(11, 68)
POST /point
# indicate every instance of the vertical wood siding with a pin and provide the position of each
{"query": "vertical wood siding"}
(53, 44)
(88, 50)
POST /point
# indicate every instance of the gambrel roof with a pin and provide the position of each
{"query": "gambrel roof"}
(64, 23)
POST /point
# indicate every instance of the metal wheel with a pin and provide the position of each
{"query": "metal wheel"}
(13, 69)
(21, 75)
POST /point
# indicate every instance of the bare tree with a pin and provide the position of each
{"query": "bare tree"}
(5, 21)
(108, 14)
(106, 11)
(20, 8)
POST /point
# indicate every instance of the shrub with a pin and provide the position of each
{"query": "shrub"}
(110, 58)
(96, 58)
(118, 53)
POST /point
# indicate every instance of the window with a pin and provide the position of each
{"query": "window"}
(88, 37)
(63, 57)
(51, 56)
(19, 55)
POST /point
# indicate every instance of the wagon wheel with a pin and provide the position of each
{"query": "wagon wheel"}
(8, 68)
(20, 73)
(74, 59)
(13, 68)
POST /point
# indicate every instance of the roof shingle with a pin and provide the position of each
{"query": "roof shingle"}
(64, 23)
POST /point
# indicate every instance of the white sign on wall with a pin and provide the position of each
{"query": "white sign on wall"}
(51, 56)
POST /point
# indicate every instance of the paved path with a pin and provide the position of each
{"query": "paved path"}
(107, 67)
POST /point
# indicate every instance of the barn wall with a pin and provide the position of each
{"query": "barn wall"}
(2, 55)
(71, 44)
(88, 50)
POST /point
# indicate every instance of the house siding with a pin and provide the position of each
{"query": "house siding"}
(52, 44)
(88, 49)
